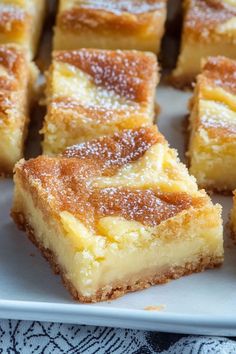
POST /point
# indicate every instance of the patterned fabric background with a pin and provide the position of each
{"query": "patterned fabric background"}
(20, 337)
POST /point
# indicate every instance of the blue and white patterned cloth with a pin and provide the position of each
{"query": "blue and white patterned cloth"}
(23, 337)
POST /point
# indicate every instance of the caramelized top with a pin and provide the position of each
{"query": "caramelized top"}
(65, 182)
(203, 16)
(113, 152)
(13, 80)
(12, 62)
(12, 18)
(134, 6)
(123, 72)
(123, 16)
(220, 72)
(149, 207)
(216, 87)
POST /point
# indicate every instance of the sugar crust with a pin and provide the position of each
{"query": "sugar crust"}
(119, 16)
(124, 72)
(203, 16)
(208, 28)
(17, 79)
(66, 180)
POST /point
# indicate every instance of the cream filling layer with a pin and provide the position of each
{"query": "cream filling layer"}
(190, 65)
(149, 42)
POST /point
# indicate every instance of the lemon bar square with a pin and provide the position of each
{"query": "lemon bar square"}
(132, 24)
(21, 23)
(212, 147)
(117, 214)
(17, 79)
(93, 92)
(208, 30)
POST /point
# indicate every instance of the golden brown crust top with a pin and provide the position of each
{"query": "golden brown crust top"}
(124, 72)
(220, 72)
(6, 103)
(65, 181)
(113, 152)
(12, 19)
(121, 6)
(123, 16)
(149, 207)
(223, 131)
(13, 78)
(202, 16)
(102, 156)
(61, 181)
(13, 61)
(218, 126)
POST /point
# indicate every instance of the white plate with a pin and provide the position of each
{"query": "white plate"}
(200, 304)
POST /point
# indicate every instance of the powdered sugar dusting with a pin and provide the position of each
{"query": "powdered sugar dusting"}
(146, 206)
(221, 120)
(123, 73)
(133, 6)
(8, 14)
(221, 72)
(13, 79)
(64, 184)
(203, 16)
(118, 150)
